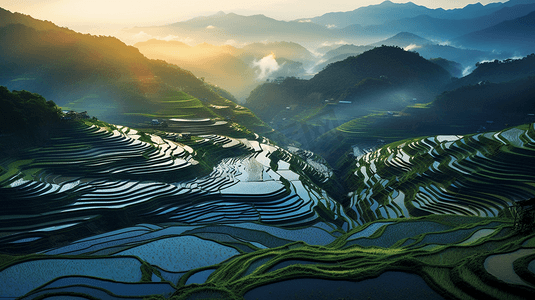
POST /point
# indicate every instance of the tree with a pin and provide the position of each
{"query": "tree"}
(524, 215)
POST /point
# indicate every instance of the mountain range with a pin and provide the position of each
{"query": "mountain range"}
(403, 168)
(104, 76)
(362, 26)
(387, 10)
(512, 35)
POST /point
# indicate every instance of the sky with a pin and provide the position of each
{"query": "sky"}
(94, 15)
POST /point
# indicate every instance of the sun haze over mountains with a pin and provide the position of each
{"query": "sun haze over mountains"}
(273, 150)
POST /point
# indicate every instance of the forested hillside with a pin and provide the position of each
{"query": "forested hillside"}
(103, 76)
(344, 80)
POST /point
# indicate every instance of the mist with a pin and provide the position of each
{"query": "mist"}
(266, 66)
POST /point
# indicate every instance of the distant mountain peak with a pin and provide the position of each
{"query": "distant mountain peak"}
(389, 3)
(406, 34)
(403, 39)
(475, 4)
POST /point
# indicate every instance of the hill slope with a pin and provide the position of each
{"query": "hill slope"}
(488, 106)
(104, 76)
(381, 79)
(518, 33)
(387, 10)
(221, 28)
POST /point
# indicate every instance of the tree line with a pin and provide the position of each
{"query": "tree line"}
(24, 111)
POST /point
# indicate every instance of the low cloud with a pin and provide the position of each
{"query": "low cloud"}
(235, 43)
(143, 36)
(330, 26)
(327, 44)
(305, 21)
(468, 70)
(186, 40)
(266, 66)
(210, 27)
(412, 47)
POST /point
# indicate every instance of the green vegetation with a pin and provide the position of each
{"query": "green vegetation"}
(106, 78)
(371, 73)
(359, 263)
(22, 111)
(173, 206)
(473, 108)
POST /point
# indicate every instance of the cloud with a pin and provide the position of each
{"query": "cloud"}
(142, 36)
(328, 44)
(305, 21)
(315, 53)
(468, 70)
(231, 43)
(330, 26)
(235, 43)
(210, 27)
(412, 47)
(186, 40)
(266, 66)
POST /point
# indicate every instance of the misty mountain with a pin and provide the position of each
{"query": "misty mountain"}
(346, 49)
(430, 50)
(183, 49)
(498, 71)
(288, 50)
(379, 21)
(514, 35)
(218, 65)
(378, 14)
(339, 54)
(348, 79)
(381, 79)
(236, 69)
(403, 39)
(433, 27)
(222, 28)
(425, 47)
(468, 109)
(104, 76)
(399, 66)
(454, 68)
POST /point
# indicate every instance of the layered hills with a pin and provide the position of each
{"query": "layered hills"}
(478, 107)
(422, 189)
(362, 26)
(239, 70)
(518, 34)
(230, 27)
(384, 78)
(245, 219)
(105, 77)
(425, 47)
(387, 10)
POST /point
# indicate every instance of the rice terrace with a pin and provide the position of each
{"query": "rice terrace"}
(356, 154)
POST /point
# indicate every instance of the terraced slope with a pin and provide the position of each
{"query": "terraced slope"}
(477, 175)
(109, 212)
(90, 179)
(429, 257)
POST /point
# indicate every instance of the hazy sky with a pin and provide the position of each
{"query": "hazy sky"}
(84, 15)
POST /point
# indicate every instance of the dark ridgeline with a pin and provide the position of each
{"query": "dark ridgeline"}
(25, 118)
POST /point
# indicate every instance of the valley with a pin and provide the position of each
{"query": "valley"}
(382, 153)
